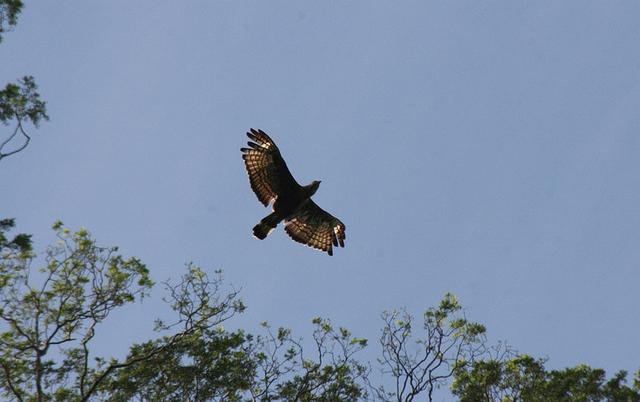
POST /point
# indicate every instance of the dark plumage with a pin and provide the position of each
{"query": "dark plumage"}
(270, 179)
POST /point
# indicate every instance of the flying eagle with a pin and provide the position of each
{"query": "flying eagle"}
(270, 179)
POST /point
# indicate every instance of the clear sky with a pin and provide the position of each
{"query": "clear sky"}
(490, 149)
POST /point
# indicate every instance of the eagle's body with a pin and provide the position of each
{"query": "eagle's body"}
(271, 181)
(285, 205)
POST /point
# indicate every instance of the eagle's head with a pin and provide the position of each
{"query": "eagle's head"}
(313, 187)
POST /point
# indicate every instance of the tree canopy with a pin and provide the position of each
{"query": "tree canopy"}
(52, 307)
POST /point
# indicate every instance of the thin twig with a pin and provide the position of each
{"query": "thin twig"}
(15, 151)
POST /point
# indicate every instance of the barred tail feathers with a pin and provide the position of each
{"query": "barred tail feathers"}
(266, 225)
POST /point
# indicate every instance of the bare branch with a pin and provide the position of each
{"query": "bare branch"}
(20, 129)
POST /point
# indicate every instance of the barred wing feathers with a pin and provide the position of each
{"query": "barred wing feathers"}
(315, 227)
(269, 175)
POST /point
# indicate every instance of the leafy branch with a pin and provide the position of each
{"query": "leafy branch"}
(9, 11)
(20, 103)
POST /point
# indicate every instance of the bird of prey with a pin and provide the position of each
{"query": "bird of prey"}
(269, 176)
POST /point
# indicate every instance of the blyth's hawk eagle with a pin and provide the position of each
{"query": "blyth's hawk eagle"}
(269, 176)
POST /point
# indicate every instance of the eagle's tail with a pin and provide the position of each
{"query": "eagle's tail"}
(266, 225)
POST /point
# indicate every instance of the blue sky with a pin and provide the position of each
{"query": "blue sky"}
(489, 149)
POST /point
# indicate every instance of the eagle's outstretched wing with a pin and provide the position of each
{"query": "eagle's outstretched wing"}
(316, 228)
(268, 173)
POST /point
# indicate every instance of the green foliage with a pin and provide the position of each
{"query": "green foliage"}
(60, 305)
(206, 365)
(17, 248)
(419, 364)
(523, 378)
(20, 103)
(214, 364)
(284, 371)
(9, 11)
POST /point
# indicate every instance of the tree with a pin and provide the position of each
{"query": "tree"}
(208, 365)
(234, 366)
(520, 377)
(286, 372)
(19, 103)
(57, 310)
(49, 319)
(9, 11)
(421, 365)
